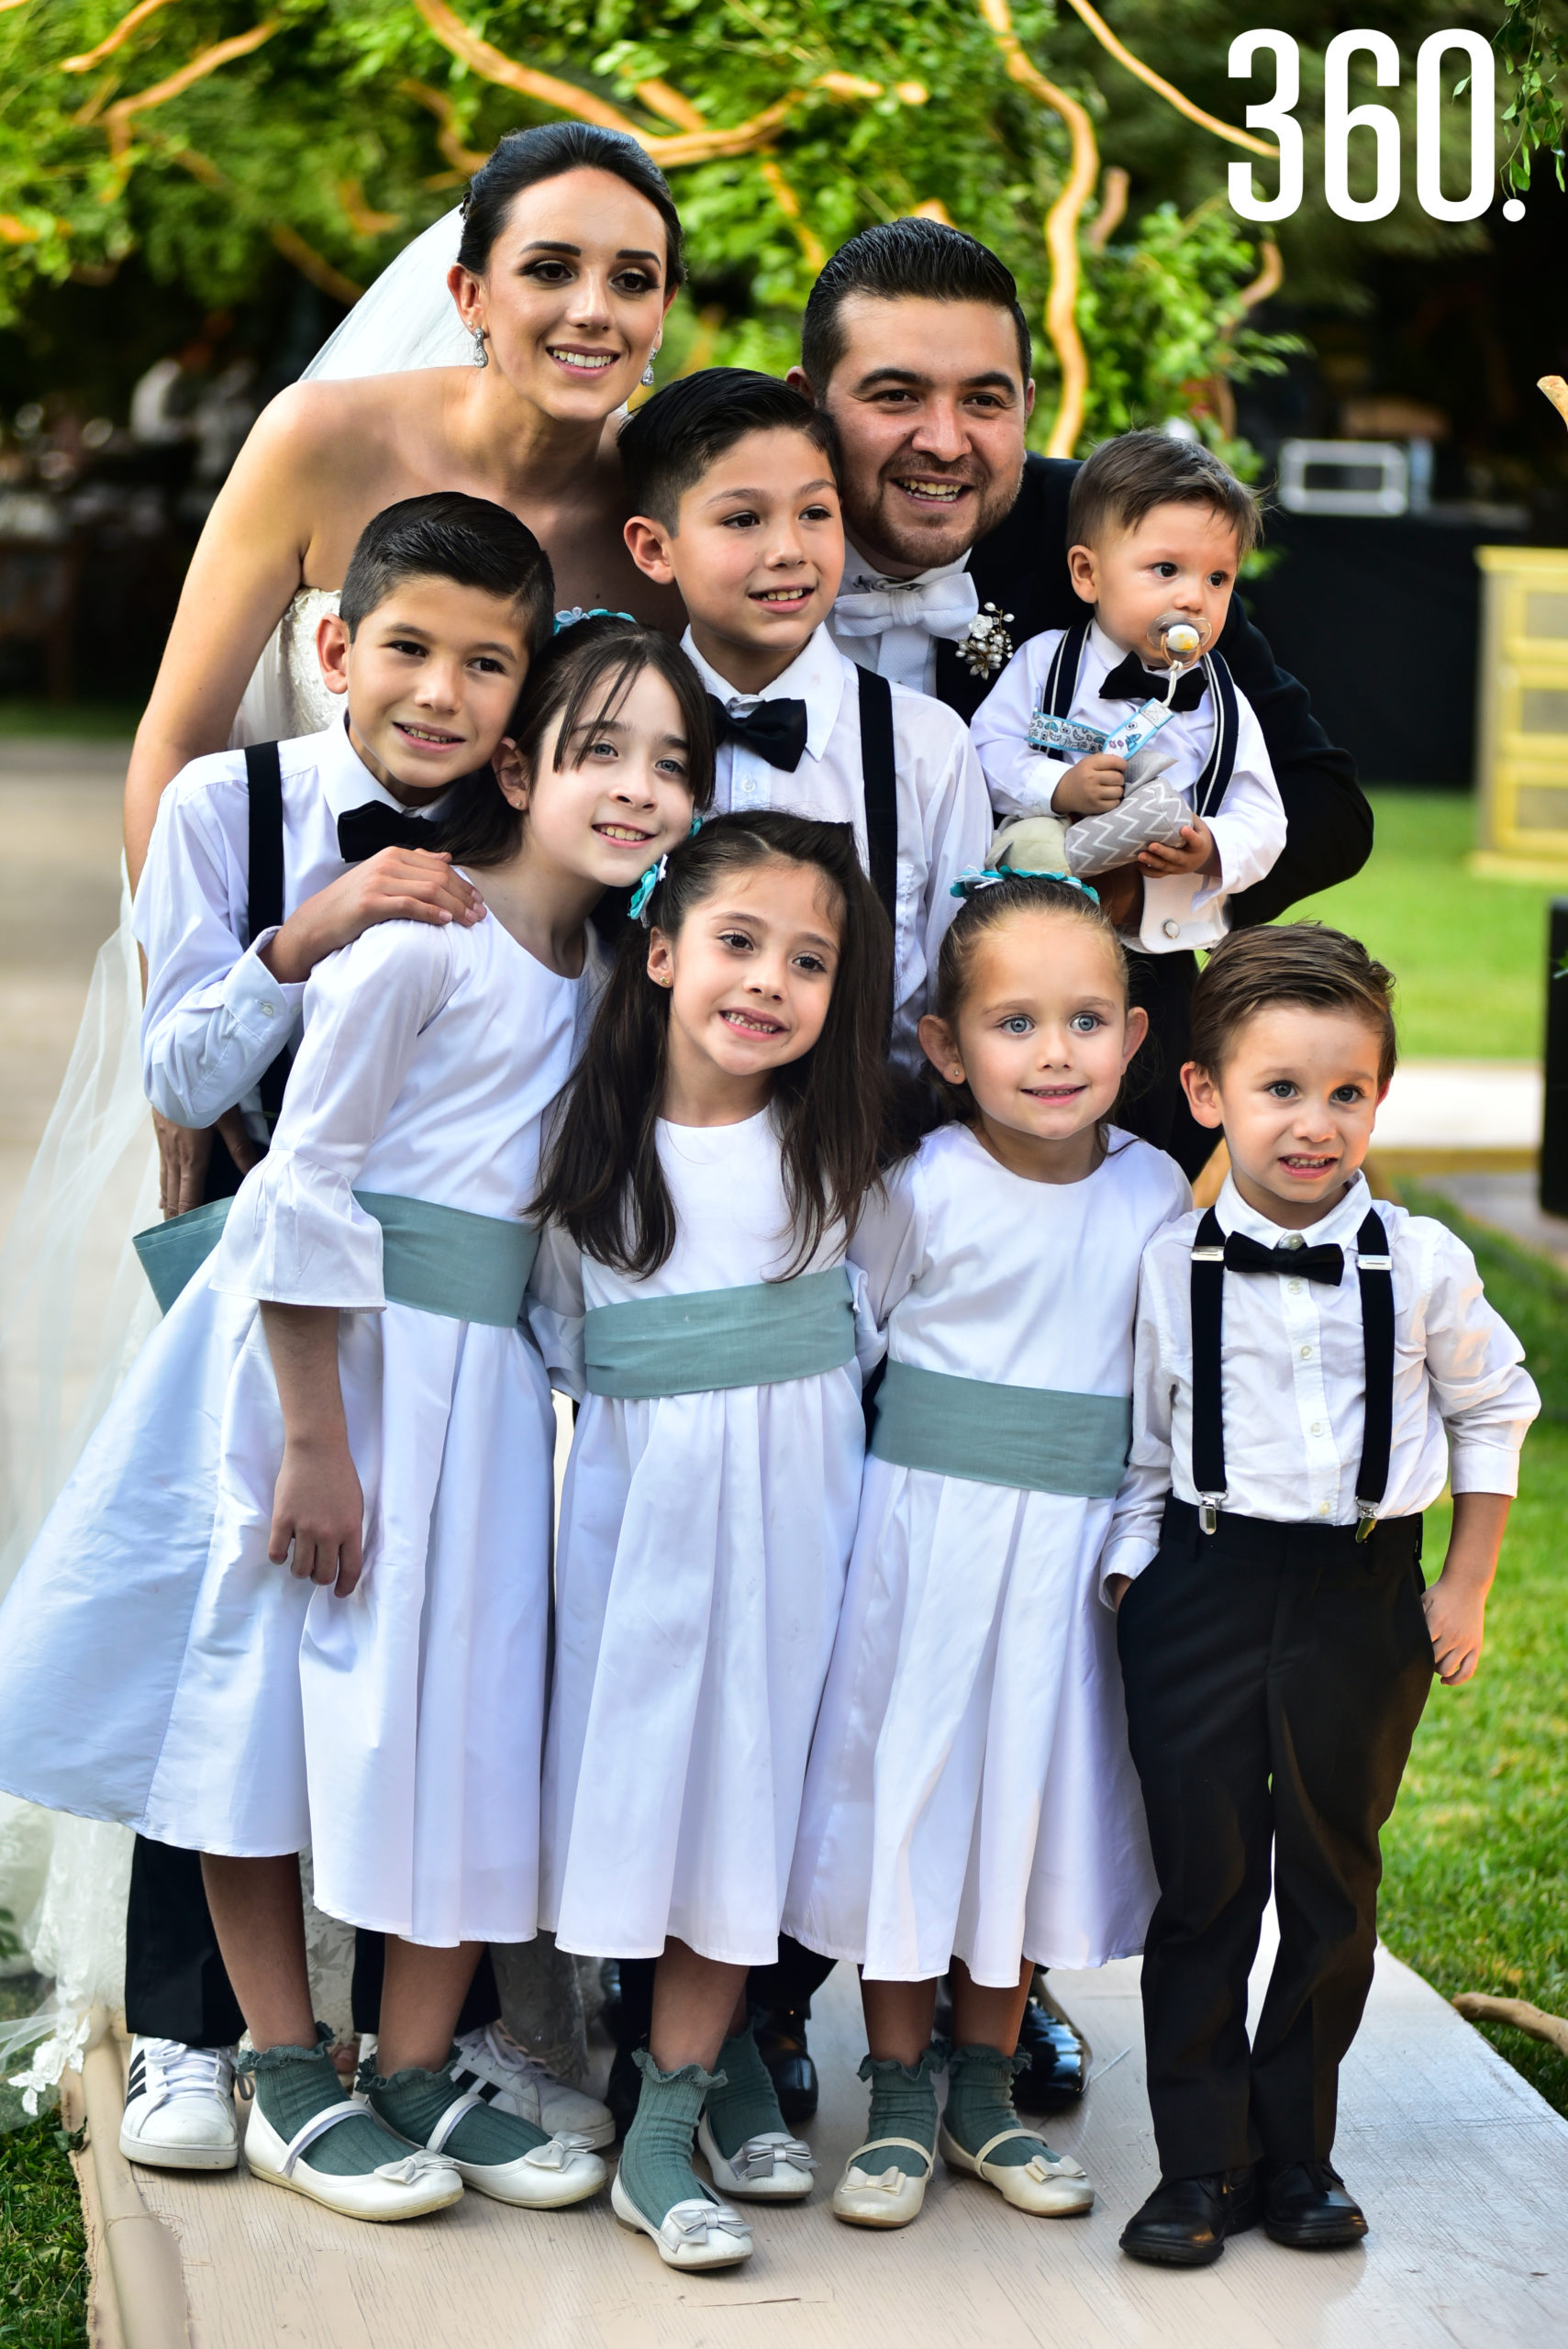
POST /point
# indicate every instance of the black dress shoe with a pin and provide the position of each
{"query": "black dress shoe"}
(1058, 2054)
(1185, 2220)
(1306, 2205)
(780, 2043)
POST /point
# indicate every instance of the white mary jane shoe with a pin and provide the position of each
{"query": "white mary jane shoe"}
(566, 2170)
(404, 2189)
(1052, 2186)
(697, 2233)
(888, 2198)
(774, 2167)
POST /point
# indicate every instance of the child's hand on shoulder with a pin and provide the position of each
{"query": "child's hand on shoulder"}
(1090, 787)
(395, 884)
(1198, 853)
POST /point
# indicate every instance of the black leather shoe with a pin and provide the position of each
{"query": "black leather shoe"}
(1306, 2206)
(1185, 2220)
(1058, 2054)
(623, 2089)
(780, 2043)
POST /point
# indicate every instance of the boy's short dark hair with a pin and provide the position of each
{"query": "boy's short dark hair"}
(668, 443)
(1300, 963)
(895, 261)
(450, 536)
(1126, 478)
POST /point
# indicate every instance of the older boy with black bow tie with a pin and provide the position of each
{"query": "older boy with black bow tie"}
(733, 478)
(1311, 1366)
(1157, 531)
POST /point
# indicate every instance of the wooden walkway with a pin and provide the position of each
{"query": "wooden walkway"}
(1461, 2167)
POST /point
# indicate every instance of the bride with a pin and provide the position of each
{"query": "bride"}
(493, 356)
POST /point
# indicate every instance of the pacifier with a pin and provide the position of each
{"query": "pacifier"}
(1181, 639)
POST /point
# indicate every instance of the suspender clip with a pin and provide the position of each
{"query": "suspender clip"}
(1208, 1511)
(1367, 1515)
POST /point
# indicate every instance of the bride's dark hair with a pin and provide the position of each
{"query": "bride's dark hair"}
(580, 678)
(524, 158)
(603, 1180)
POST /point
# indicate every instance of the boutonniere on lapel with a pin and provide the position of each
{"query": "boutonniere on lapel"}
(988, 648)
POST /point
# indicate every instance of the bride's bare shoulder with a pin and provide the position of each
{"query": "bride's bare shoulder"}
(346, 424)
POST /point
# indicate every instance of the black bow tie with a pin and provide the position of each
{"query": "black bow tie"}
(775, 730)
(1325, 1262)
(362, 831)
(1130, 681)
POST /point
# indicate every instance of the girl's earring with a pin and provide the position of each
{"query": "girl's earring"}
(647, 371)
(481, 356)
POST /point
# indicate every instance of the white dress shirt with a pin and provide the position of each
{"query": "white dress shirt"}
(1182, 910)
(215, 1018)
(892, 625)
(944, 819)
(1294, 1378)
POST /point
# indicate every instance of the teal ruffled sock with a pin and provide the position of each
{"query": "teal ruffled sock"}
(292, 2084)
(903, 2104)
(656, 2160)
(742, 2102)
(980, 2104)
(412, 2101)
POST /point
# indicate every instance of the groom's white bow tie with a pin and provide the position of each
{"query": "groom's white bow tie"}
(943, 605)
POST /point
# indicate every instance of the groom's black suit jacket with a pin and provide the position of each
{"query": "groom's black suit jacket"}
(1020, 568)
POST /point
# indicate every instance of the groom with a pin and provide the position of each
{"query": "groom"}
(914, 344)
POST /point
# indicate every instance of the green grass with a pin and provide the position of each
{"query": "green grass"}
(93, 721)
(1470, 955)
(43, 2248)
(1476, 1895)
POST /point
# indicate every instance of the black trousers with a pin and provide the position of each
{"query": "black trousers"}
(1154, 1105)
(1275, 1676)
(793, 1980)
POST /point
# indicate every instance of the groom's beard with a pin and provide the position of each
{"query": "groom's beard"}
(895, 522)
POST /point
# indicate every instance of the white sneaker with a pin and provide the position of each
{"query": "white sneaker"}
(492, 2065)
(179, 2106)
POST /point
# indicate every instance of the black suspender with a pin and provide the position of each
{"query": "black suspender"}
(1062, 679)
(878, 769)
(1220, 764)
(265, 784)
(1374, 1273)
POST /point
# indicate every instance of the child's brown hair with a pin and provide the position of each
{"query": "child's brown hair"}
(1302, 963)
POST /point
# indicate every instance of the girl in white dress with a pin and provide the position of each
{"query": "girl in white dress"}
(971, 1806)
(712, 1158)
(348, 1376)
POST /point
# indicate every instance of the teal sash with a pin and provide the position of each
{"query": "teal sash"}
(1036, 1439)
(173, 1253)
(718, 1338)
(438, 1260)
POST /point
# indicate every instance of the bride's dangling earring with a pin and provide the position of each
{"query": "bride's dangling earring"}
(481, 356)
(647, 371)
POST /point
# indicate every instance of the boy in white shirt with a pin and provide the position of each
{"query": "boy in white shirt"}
(261, 863)
(1309, 1369)
(1159, 528)
(733, 482)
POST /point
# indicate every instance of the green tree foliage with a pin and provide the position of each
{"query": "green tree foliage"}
(342, 130)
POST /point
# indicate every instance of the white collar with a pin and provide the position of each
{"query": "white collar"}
(814, 676)
(346, 782)
(1339, 1226)
(861, 573)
